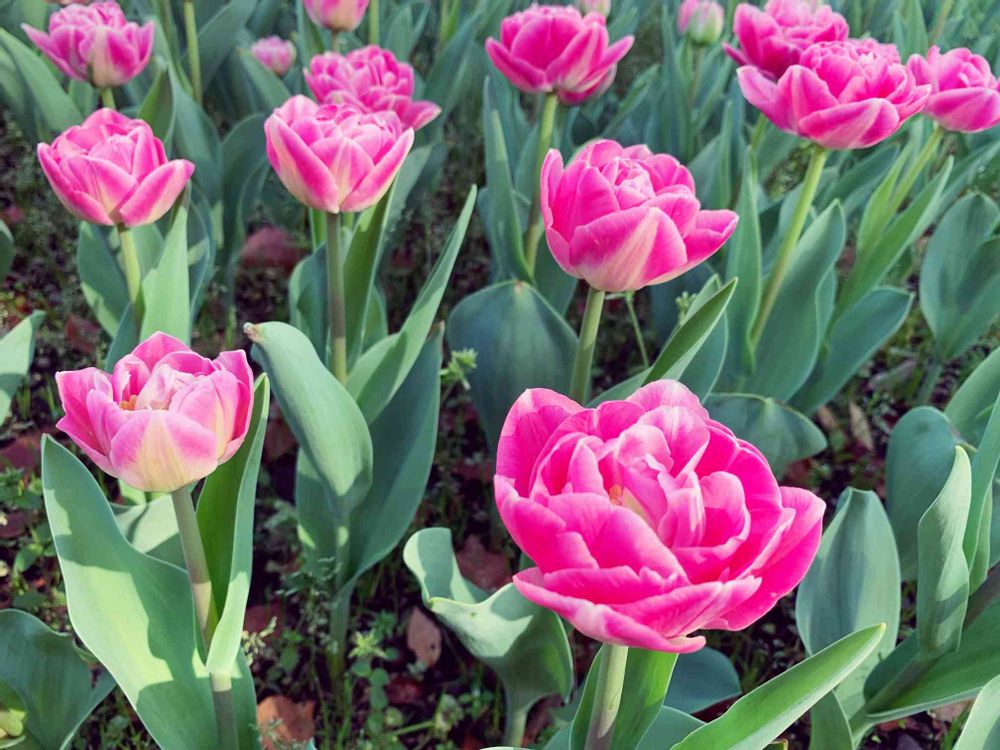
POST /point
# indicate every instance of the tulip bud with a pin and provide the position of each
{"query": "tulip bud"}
(336, 15)
(594, 6)
(701, 21)
(274, 53)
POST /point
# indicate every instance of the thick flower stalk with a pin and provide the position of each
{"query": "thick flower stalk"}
(964, 93)
(373, 80)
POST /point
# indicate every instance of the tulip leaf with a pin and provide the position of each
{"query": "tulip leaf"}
(158, 107)
(46, 671)
(379, 373)
(971, 405)
(920, 456)
(980, 551)
(982, 728)
(244, 169)
(853, 583)
(133, 612)
(52, 105)
(218, 36)
(166, 293)
(857, 186)
(829, 728)
(307, 299)
(520, 341)
(743, 255)
(17, 349)
(668, 727)
(700, 680)
(360, 268)
(523, 643)
(759, 717)
(197, 140)
(151, 527)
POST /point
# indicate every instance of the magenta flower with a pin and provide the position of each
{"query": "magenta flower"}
(95, 43)
(775, 38)
(646, 519)
(625, 218)
(274, 53)
(701, 21)
(554, 49)
(373, 80)
(113, 170)
(336, 15)
(334, 157)
(842, 95)
(166, 416)
(965, 95)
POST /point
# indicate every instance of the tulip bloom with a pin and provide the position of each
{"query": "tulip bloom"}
(274, 53)
(336, 15)
(373, 80)
(842, 95)
(113, 170)
(334, 157)
(554, 49)
(775, 38)
(965, 95)
(646, 519)
(95, 43)
(166, 416)
(625, 218)
(701, 21)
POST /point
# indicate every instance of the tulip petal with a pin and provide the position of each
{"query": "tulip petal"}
(850, 126)
(763, 93)
(374, 185)
(160, 452)
(156, 193)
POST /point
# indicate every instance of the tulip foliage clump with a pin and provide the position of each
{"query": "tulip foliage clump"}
(637, 361)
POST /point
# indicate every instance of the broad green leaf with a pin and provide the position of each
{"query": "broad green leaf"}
(321, 413)
(165, 288)
(272, 91)
(920, 456)
(878, 211)
(151, 527)
(520, 343)
(647, 676)
(307, 299)
(197, 140)
(244, 169)
(972, 404)
(158, 107)
(978, 532)
(829, 728)
(225, 519)
(360, 268)
(218, 36)
(759, 717)
(743, 255)
(853, 583)
(523, 643)
(856, 186)
(982, 728)
(701, 679)
(17, 349)
(53, 106)
(668, 727)
(46, 671)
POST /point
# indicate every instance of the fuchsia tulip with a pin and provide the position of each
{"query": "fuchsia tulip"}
(965, 95)
(95, 43)
(334, 157)
(625, 218)
(646, 519)
(166, 416)
(842, 95)
(336, 15)
(274, 53)
(701, 20)
(774, 38)
(373, 80)
(113, 170)
(552, 48)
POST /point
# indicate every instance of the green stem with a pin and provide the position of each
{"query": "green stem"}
(759, 131)
(334, 40)
(340, 617)
(225, 712)
(931, 376)
(787, 249)
(916, 167)
(695, 77)
(133, 273)
(194, 57)
(107, 97)
(942, 18)
(517, 721)
(580, 384)
(636, 328)
(335, 298)
(546, 124)
(984, 596)
(607, 699)
(195, 562)
(373, 22)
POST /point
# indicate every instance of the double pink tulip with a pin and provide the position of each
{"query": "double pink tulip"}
(336, 15)
(95, 43)
(625, 218)
(965, 95)
(113, 170)
(373, 80)
(842, 95)
(647, 520)
(274, 53)
(334, 157)
(701, 21)
(166, 416)
(775, 38)
(554, 49)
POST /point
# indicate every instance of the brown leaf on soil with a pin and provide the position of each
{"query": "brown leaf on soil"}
(23, 453)
(82, 334)
(282, 721)
(259, 616)
(403, 690)
(13, 524)
(278, 440)
(472, 742)
(860, 428)
(423, 637)
(271, 247)
(488, 570)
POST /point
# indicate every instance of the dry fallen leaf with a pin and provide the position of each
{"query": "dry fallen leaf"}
(488, 570)
(423, 637)
(285, 723)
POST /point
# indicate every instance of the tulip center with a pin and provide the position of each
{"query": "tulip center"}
(129, 403)
(621, 497)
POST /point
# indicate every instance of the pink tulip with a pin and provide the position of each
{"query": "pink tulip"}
(95, 43)
(594, 6)
(336, 15)
(166, 417)
(274, 53)
(113, 170)
(775, 38)
(552, 48)
(646, 519)
(373, 80)
(625, 218)
(334, 157)
(842, 95)
(701, 21)
(965, 95)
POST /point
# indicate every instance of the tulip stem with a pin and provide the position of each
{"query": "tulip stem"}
(225, 713)
(107, 98)
(607, 698)
(546, 124)
(195, 562)
(941, 20)
(630, 304)
(516, 722)
(916, 167)
(335, 298)
(194, 56)
(787, 249)
(373, 22)
(133, 273)
(759, 131)
(580, 384)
